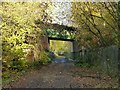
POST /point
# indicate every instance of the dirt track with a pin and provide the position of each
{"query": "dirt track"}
(61, 75)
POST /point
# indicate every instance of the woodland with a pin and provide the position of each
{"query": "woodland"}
(97, 26)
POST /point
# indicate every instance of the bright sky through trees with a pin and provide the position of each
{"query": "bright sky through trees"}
(60, 12)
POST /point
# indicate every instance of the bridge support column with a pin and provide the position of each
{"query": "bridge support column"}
(75, 50)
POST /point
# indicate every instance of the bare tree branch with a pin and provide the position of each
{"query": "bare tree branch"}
(112, 14)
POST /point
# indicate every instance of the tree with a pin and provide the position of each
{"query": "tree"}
(97, 23)
(19, 30)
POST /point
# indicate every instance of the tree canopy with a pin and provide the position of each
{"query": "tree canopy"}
(19, 30)
(97, 23)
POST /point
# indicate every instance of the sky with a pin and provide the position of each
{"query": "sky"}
(61, 13)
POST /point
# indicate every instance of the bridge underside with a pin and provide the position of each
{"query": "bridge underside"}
(62, 39)
(58, 27)
(61, 31)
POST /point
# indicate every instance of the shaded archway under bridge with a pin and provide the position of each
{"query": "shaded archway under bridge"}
(58, 32)
(61, 47)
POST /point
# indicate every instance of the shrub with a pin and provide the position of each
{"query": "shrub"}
(82, 63)
(35, 64)
(45, 57)
(14, 59)
(19, 65)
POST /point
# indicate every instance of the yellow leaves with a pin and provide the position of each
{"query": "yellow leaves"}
(51, 8)
(94, 18)
(86, 9)
(96, 13)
